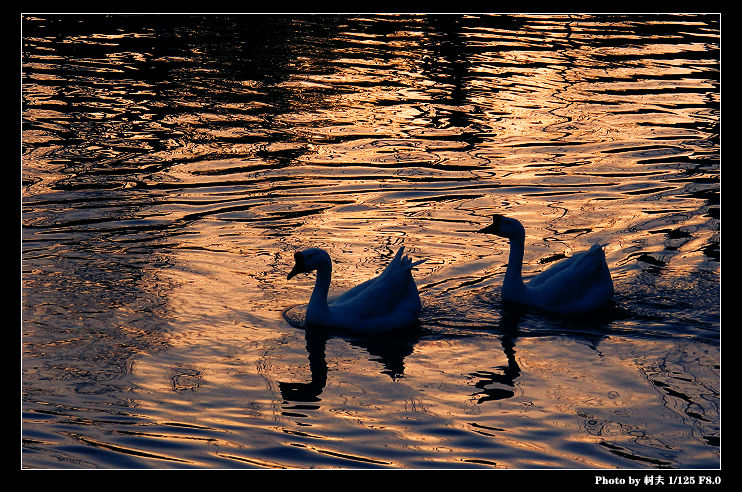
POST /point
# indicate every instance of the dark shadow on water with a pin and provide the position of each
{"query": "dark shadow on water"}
(506, 374)
(311, 391)
(486, 315)
(390, 350)
(516, 322)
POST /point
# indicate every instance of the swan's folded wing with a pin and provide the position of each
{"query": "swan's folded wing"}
(387, 275)
(354, 291)
(593, 256)
(586, 277)
(379, 298)
(393, 294)
(556, 268)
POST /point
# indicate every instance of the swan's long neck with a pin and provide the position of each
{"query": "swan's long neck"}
(318, 300)
(512, 286)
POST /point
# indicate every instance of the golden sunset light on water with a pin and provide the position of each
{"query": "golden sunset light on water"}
(176, 169)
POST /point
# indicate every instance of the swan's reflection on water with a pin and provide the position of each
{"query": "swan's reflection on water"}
(509, 373)
(392, 348)
(513, 317)
(511, 366)
(309, 392)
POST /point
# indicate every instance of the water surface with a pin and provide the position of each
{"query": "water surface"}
(172, 165)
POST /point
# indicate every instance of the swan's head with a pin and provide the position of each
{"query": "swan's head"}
(309, 260)
(505, 227)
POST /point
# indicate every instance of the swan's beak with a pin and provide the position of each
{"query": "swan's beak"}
(299, 267)
(493, 228)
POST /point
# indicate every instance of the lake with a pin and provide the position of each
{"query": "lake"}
(173, 164)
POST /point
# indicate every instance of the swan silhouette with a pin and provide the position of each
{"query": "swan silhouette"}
(387, 302)
(575, 285)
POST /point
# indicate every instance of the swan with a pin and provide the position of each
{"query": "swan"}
(384, 303)
(575, 285)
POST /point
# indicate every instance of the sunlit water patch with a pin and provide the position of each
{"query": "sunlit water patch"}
(172, 165)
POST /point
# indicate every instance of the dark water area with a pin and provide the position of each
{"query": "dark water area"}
(172, 165)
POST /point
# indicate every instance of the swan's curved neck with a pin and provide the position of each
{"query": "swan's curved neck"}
(318, 300)
(513, 283)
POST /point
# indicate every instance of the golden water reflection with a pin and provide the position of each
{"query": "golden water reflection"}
(166, 187)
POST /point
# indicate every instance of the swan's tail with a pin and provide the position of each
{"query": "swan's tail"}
(598, 247)
(406, 262)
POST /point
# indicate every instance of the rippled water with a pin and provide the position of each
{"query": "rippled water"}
(173, 164)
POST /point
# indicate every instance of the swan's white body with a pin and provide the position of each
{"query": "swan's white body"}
(575, 285)
(384, 303)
